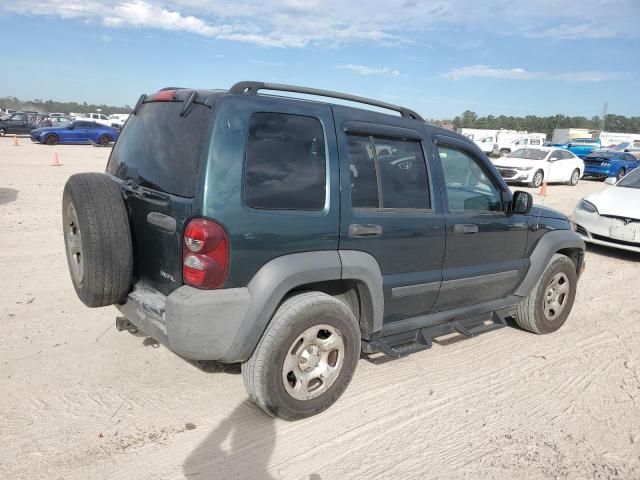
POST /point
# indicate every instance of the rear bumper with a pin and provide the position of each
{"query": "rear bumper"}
(600, 172)
(195, 324)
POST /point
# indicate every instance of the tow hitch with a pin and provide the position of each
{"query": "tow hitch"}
(124, 324)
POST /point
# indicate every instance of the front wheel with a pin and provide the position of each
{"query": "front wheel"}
(504, 152)
(306, 357)
(104, 139)
(3, 132)
(621, 173)
(548, 305)
(537, 179)
(575, 176)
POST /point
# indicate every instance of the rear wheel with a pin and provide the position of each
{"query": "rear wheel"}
(537, 179)
(97, 239)
(3, 132)
(306, 357)
(51, 139)
(104, 139)
(575, 176)
(548, 305)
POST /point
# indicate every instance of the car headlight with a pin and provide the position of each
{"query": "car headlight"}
(587, 206)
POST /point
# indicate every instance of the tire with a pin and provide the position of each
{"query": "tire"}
(575, 177)
(3, 132)
(51, 139)
(104, 139)
(530, 314)
(264, 373)
(537, 179)
(97, 239)
(504, 152)
(621, 173)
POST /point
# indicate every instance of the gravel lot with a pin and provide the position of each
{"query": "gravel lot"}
(79, 400)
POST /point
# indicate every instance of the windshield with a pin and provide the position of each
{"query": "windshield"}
(632, 180)
(529, 154)
(161, 149)
(621, 147)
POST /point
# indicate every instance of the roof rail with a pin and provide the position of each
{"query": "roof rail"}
(252, 88)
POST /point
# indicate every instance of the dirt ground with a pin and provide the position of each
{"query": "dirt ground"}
(79, 400)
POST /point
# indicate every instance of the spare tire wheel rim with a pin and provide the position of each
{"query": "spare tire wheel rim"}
(313, 362)
(556, 296)
(74, 244)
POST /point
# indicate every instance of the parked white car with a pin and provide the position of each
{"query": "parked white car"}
(535, 165)
(612, 217)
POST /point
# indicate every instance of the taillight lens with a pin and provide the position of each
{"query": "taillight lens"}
(163, 96)
(205, 254)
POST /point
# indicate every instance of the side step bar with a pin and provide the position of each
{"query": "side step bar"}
(401, 345)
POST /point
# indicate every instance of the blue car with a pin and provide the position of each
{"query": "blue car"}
(606, 163)
(75, 132)
(581, 147)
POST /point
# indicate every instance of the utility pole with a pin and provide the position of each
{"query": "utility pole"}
(604, 116)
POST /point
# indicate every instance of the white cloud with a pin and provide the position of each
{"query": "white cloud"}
(365, 70)
(522, 74)
(299, 23)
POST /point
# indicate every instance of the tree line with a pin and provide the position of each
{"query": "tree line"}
(468, 119)
(533, 123)
(51, 106)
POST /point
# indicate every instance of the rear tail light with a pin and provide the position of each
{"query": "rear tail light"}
(205, 254)
(163, 96)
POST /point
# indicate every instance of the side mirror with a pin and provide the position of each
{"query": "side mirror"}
(522, 202)
(610, 180)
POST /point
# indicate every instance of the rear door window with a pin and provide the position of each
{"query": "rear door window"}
(387, 173)
(285, 166)
(161, 149)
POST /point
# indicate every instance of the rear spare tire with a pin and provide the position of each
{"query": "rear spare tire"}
(97, 239)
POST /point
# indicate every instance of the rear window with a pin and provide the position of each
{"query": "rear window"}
(160, 149)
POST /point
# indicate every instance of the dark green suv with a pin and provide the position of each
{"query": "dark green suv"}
(294, 235)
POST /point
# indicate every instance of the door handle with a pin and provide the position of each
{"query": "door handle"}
(364, 230)
(465, 228)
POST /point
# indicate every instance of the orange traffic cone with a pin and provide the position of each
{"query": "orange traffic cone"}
(55, 162)
(543, 189)
(15, 141)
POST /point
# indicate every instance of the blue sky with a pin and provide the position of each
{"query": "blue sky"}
(437, 57)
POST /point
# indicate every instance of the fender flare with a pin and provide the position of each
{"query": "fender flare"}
(550, 244)
(279, 276)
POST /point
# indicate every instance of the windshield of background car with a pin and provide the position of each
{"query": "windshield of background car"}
(160, 149)
(632, 180)
(529, 154)
(621, 147)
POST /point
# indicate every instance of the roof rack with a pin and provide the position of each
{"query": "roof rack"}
(252, 88)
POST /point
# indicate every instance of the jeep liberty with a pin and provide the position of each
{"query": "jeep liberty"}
(293, 235)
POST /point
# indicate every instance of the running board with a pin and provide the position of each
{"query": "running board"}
(401, 345)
